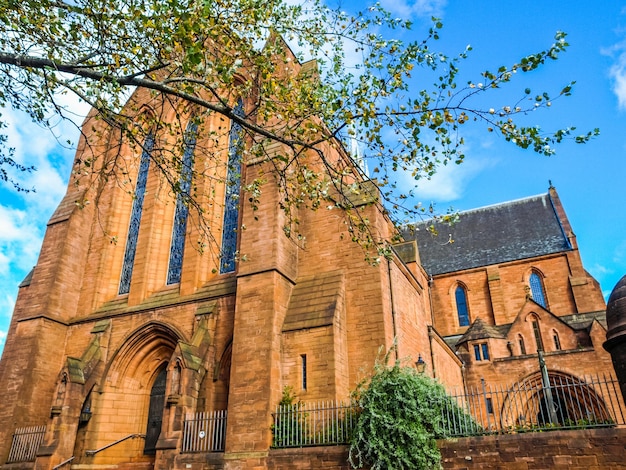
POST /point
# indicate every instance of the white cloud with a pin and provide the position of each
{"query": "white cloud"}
(418, 8)
(450, 181)
(618, 74)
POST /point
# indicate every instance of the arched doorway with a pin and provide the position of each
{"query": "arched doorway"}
(128, 409)
(155, 412)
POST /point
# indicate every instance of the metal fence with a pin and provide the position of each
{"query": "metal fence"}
(537, 404)
(204, 432)
(313, 424)
(26, 442)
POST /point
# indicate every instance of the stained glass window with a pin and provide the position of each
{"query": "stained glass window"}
(179, 230)
(135, 216)
(233, 188)
(461, 306)
(536, 290)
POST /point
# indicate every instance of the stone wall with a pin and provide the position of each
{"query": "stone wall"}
(590, 449)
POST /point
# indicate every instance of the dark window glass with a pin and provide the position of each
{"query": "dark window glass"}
(135, 216)
(557, 341)
(179, 230)
(477, 352)
(231, 202)
(522, 345)
(461, 306)
(304, 377)
(489, 405)
(481, 352)
(485, 350)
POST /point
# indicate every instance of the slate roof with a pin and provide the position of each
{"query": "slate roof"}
(496, 234)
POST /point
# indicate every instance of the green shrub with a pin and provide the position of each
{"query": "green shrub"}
(402, 415)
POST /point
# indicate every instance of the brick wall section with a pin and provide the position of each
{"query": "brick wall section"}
(594, 449)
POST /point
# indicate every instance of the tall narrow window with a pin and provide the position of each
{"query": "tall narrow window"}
(557, 340)
(536, 290)
(135, 216)
(304, 377)
(461, 306)
(179, 230)
(489, 405)
(537, 333)
(485, 350)
(233, 188)
(522, 345)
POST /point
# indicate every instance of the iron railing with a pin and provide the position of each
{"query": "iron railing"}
(26, 442)
(91, 453)
(204, 432)
(313, 424)
(561, 402)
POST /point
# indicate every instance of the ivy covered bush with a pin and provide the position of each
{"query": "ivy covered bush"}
(401, 418)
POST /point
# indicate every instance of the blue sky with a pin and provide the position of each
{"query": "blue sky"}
(590, 178)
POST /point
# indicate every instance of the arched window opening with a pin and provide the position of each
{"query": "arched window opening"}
(155, 412)
(179, 230)
(536, 289)
(233, 189)
(537, 333)
(557, 340)
(522, 345)
(461, 306)
(135, 216)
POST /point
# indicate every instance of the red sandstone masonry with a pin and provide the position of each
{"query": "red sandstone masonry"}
(591, 449)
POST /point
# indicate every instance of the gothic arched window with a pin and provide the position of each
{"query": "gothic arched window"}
(536, 289)
(135, 216)
(461, 306)
(522, 344)
(181, 213)
(233, 188)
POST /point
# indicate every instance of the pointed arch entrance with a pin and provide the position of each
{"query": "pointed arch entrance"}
(155, 412)
(132, 398)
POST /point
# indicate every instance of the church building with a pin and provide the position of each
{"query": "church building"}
(506, 282)
(129, 328)
(126, 329)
